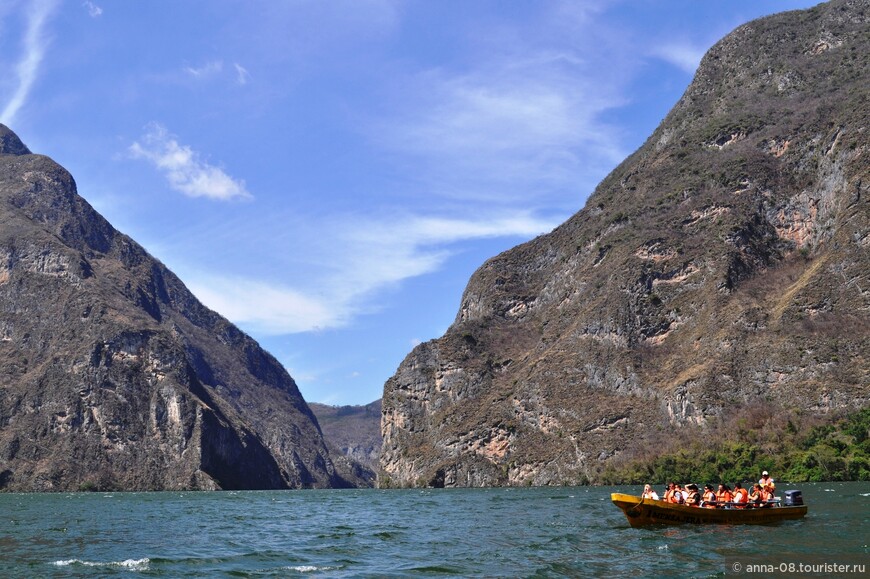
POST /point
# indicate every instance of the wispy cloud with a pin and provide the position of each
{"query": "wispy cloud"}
(34, 46)
(207, 70)
(684, 56)
(267, 308)
(242, 75)
(376, 254)
(366, 257)
(495, 137)
(522, 122)
(215, 69)
(93, 10)
(183, 167)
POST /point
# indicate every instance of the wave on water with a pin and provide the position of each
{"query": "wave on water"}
(564, 532)
(130, 564)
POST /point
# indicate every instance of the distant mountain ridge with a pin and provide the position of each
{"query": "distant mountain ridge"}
(114, 376)
(723, 264)
(355, 430)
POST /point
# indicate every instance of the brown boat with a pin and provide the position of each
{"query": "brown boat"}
(641, 512)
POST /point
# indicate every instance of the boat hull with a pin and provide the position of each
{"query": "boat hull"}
(649, 512)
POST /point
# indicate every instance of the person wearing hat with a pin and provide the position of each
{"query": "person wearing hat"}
(767, 483)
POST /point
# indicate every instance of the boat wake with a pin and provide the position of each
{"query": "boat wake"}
(129, 564)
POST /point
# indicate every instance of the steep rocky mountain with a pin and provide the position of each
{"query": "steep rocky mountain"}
(113, 375)
(726, 263)
(354, 430)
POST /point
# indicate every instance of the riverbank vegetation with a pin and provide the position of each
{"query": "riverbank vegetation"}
(792, 446)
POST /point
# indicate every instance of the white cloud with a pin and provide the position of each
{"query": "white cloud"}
(366, 257)
(93, 10)
(215, 68)
(242, 75)
(183, 167)
(35, 44)
(373, 255)
(684, 56)
(207, 70)
(266, 308)
(514, 127)
(439, 230)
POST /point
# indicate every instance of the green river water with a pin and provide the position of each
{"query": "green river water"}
(529, 532)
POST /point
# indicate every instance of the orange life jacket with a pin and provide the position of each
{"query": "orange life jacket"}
(709, 497)
(724, 497)
(741, 496)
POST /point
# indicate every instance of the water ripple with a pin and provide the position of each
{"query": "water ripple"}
(540, 532)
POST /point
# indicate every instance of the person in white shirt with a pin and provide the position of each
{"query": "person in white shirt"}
(649, 493)
(684, 490)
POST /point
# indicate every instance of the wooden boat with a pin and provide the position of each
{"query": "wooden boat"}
(642, 512)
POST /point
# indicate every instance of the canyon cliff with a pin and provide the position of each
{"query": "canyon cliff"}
(353, 432)
(723, 264)
(114, 376)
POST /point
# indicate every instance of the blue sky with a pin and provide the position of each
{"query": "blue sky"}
(327, 174)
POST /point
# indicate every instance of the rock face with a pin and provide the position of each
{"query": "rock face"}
(112, 375)
(727, 261)
(354, 430)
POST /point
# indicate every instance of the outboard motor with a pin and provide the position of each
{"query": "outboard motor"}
(793, 499)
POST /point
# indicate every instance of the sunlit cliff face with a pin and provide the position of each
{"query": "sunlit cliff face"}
(722, 265)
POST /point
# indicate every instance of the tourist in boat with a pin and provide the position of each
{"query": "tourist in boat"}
(709, 497)
(767, 483)
(767, 496)
(724, 496)
(757, 496)
(694, 497)
(741, 496)
(649, 493)
(678, 497)
(669, 492)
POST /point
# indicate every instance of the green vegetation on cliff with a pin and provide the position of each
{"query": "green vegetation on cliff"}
(791, 449)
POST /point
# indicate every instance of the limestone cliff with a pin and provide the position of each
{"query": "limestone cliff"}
(113, 375)
(354, 432)
(727, 261)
